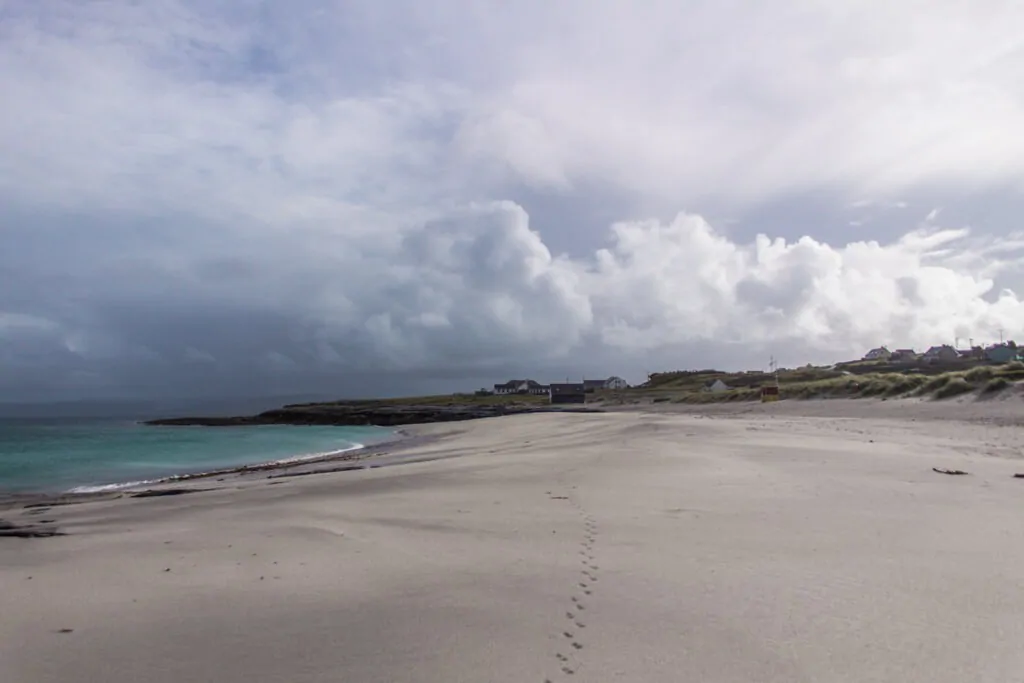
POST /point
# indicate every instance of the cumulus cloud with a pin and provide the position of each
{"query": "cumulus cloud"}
(659, 284)
(200, 197)
(479, 290)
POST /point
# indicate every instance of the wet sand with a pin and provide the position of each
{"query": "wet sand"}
(628, 546)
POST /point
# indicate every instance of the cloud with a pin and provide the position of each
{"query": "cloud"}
(478, 290)
(662, 284)
(207, 196)
(246, 116)
(746, 104)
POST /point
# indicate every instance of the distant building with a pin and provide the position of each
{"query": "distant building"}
(945, 352)
(881, 353)
(573, 392)
(521, 386)
(1001, 353)
(973, 353)
(592, 385)
(715, 386)
(903, 355)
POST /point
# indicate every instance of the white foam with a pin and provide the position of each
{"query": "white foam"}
(313, 456)
(113, 487)
(102, 488)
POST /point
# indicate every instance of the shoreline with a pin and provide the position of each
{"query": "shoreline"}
(993, 413)
(314, 464)
(669, 546)
(999, 412)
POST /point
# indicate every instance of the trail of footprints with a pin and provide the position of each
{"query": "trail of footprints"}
(569, 655)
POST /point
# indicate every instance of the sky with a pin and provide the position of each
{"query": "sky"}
(376, 197)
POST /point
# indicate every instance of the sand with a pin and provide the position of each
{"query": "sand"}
(762, 545)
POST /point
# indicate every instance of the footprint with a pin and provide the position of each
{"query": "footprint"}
(576, 645)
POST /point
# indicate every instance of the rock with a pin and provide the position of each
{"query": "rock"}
(354, 413)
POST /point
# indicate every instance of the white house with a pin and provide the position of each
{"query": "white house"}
(881, 353)
(945, 352)
(715, 386)
(609, 383)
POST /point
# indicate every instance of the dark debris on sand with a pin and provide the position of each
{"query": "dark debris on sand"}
(11, 530)
(154, 493)
(941, 470)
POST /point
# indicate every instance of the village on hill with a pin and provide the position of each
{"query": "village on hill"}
(938, 359)
(557, 392)
(942, 370)
(1003, 352)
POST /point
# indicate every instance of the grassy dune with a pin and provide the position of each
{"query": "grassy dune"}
(853, 381)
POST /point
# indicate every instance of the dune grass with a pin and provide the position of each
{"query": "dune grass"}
(995, 385)
(954, 387)
(876, 380)
(851, 380)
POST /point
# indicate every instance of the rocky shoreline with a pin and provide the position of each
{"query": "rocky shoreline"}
(364, 413)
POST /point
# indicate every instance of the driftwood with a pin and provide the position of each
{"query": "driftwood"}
(945, 471)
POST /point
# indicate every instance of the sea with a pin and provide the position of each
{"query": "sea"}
(87, 455)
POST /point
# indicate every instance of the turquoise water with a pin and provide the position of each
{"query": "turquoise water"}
(48, 456)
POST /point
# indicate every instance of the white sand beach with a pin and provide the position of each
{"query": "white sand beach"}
(786, 543)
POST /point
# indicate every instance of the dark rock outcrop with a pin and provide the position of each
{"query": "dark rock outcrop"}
(380, 414)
